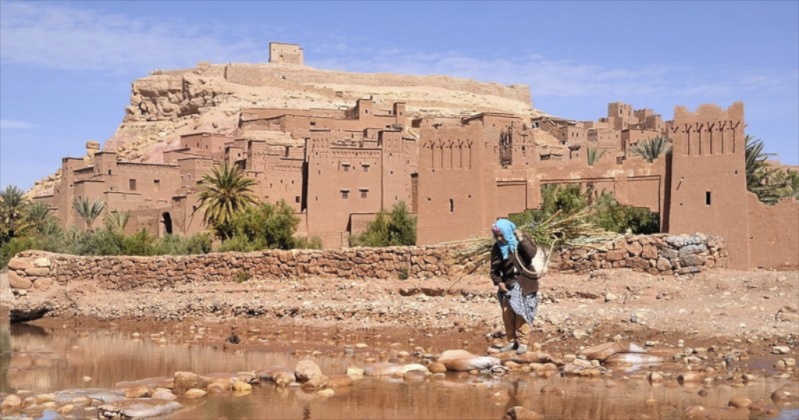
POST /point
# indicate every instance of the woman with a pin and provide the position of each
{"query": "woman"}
(517, 288)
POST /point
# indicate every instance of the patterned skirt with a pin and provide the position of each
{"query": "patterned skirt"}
(524, 306)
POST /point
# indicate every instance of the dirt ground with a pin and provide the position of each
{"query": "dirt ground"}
(750, 311)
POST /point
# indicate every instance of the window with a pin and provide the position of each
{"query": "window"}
(345, 194)
(364, 193)
(296, 198)
(707, 198)
(157, 185)
(109, 172)
(452, 205)
(132, 184)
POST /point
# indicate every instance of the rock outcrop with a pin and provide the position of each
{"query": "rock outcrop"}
(209, 97)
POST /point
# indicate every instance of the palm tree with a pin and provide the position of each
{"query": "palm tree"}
(768, 183)
(227, 193)
(39, 216)
(12, 208)
(594, 155)
(116, 220)
(651, 149)
(89, 212)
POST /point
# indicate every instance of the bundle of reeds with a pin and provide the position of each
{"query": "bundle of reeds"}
(557, 232)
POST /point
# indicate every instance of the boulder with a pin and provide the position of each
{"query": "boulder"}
(10, 404)
(339, 380)
(139, 391)
(41, 262)
(18, 282)
(43, 283)
(37, 271)
(188, 380)
(163, 394)
(306, 370)
(463, 361)
(19, 264)
(137, 408)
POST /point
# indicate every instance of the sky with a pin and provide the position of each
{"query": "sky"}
(66, 67)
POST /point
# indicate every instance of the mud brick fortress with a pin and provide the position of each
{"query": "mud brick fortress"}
(338, 167)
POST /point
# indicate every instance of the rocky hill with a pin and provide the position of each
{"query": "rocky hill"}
(209, 97)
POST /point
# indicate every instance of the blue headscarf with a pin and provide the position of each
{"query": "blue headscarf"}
(506, 228)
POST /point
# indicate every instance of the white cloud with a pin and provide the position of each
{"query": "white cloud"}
(569, 79)
(4, 124)
(55, 36)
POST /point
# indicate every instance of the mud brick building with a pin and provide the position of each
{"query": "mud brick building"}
(338, 167)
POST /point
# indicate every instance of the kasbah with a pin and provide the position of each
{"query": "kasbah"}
(338, 167)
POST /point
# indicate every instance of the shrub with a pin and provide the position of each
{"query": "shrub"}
(305, 242)
(140, 243)
(100, 242)
(241, 277)
(608, 213)
(240, 243)
(14, 246)
(199, 243)
(395, 229)
(265, 226)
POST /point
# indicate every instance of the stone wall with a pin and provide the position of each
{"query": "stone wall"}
(38, 270)
(654, 254)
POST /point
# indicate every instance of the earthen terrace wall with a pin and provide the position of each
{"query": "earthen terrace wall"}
(38, 270)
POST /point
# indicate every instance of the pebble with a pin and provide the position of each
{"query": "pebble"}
(194, 393)
(780, 350)
(739, 402)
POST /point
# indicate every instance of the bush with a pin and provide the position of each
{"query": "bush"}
(240, 243)
(14, 246)
(395, 229)
(265, 226)
(199, 243)
(140, 243)
(99, 242)
(312, 242)
(608, 214)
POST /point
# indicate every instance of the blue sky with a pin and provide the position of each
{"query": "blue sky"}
(66, 67)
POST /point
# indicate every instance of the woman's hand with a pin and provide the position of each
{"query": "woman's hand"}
(503, 287)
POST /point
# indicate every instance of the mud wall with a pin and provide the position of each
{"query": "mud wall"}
(773, 234)
(38, 270)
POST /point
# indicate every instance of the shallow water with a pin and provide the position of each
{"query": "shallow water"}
(53, 358)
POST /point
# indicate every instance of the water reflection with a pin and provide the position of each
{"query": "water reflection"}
(5, 349)
(53, 358)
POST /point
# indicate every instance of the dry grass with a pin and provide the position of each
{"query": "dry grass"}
(557, 232)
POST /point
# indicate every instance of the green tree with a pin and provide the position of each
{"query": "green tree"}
(395, 229)
(12, 209)
(117, 220)
(140, 243)
(264, 226)
(793, 178)
(651, 149)
(39, 217)
(227, 192)
(607, 213)
(88, 211)
(594, 155)
(768, 183)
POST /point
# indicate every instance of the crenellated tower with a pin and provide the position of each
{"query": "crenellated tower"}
(708, 177)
